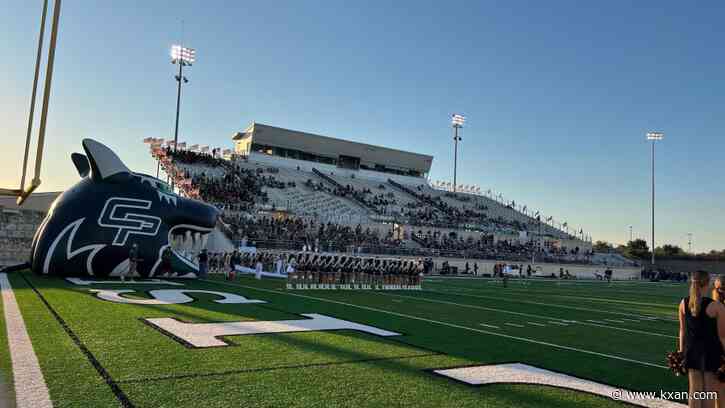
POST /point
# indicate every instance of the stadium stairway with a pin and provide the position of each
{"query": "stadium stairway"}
(334, 183)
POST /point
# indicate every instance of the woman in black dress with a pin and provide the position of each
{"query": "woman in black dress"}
(702, 325)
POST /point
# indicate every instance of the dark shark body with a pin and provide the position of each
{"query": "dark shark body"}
(90, 228)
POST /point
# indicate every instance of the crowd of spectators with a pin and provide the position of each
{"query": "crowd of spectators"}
(307, 234)
(485, 247)
(237, 189)
(656, 275)
(383, 203)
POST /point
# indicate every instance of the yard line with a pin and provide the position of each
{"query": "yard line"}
(489, 325)
(584, 309)
(595, 321)
(608, 300)
(30, 388)
(614, 321)
(537, 324)
(453, 325)
(606, 326)
(514, 325)
(559, 323)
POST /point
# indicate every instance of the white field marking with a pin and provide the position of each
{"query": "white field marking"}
(453, 325)
(584, 309)
(169, 297)
(614, 321)
(559, 323)
(514, 325)
(606, 326)
(518, 373)
(537, 324)
(488, 325)
(206, 334)
(608, 300)
(30, 388)
(81, 282)
(595, 321)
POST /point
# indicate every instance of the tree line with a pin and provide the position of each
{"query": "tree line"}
(638, 249)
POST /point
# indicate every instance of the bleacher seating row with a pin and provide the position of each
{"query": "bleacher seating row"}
(344, 198)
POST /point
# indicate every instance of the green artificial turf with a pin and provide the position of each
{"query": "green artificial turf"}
(452, 322)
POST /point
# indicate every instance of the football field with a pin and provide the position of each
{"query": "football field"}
(173, 343)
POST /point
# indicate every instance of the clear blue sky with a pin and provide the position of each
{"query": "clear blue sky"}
(558, 94)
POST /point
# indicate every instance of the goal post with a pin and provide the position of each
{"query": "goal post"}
(23, 192)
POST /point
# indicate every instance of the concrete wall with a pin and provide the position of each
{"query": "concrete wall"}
(17, 228)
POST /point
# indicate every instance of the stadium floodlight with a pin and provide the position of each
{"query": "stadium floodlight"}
(654, 137)
(457, 122)
(184, 55)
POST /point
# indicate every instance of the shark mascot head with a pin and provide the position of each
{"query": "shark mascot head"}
(91, 227)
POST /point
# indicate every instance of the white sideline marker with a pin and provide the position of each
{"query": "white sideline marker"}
(82, 282)
(518, 373)
(537, 324)
(30, 388)
(514, 325)
(488, 325)
(559, 323)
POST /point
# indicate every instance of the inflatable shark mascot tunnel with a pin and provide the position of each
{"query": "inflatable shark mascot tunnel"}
(90, 228)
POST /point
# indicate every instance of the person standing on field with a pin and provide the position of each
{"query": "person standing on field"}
(132, 263)
(203, 263)
(701, 339)
(718, 292)
(166, 269)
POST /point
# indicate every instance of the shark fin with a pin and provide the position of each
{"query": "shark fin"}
(104, 162)
(81, 163)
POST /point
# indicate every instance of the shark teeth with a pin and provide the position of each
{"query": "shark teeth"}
(189, 244)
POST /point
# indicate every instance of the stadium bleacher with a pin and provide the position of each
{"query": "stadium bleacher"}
(285, 206)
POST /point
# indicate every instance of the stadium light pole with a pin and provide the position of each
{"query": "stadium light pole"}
(654, 137)
(457, 121)
(184, 57)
